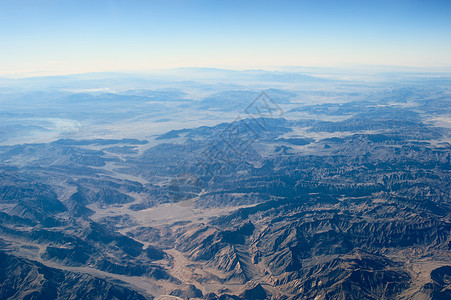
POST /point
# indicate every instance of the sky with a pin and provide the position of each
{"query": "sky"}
(46, 37)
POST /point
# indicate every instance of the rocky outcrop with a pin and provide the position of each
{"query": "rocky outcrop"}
(24, 279)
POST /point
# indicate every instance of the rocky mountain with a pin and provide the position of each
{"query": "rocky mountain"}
(338, 200)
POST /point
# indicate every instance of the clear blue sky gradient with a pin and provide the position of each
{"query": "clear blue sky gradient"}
(73, 36)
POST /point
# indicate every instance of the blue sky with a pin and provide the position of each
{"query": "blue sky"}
(74, 36)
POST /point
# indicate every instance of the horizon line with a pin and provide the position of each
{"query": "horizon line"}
(281, 69)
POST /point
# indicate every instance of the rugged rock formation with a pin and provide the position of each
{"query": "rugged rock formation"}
(259, 208)
(24, 279)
